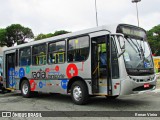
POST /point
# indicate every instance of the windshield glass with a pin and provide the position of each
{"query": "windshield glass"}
(137, 54)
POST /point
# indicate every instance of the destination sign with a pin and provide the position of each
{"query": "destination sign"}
(131, 31)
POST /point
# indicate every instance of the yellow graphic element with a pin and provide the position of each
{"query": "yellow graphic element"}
(41, 59)
(157, 63)
(12, 89)
(59, 57)
(76, 41)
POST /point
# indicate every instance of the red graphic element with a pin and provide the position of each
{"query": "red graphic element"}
(49, 84)
(57, 68)
(115, 86)
(71, 70)
(47, 70)
(32, 85)
(81, 69)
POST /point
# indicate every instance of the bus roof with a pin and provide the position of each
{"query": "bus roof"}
(109, 28)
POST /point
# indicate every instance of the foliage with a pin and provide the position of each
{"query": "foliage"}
(15, 33)
(60, 32)
(43, 36)
(154, 39)
(2, 37)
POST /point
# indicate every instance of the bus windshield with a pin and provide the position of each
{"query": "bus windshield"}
(137, 54)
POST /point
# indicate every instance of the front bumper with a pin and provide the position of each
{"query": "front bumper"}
(131, 87)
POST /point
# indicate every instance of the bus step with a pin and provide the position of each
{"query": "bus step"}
(11, 89)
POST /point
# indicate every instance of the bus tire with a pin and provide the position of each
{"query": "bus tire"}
(25, 89)
(79, 93)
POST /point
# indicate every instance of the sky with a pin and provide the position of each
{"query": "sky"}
(47, 16)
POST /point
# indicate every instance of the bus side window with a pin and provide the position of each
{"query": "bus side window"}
(114, 59)
(70, 57)
(56, 52)
(78, 49)
(41, 59)
(25, 56)
(39, 55)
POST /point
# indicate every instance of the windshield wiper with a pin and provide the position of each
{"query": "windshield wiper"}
(131, 45)
(139, 51)
(139, 63)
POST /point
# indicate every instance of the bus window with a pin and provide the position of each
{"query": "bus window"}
(56, 52)
(102, 54)
(25, 56)
(78, 49)
(39, 55)
(114, 59)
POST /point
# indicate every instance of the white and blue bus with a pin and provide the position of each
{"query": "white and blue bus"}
(106, 61)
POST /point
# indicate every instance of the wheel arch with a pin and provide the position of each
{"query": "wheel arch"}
(74, 79)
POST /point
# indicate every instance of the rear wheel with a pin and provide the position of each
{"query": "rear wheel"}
(25, 89)
(79, 93)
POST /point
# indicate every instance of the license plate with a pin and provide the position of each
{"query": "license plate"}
(146, 85)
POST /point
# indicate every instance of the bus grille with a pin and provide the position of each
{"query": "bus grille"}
(143, 80)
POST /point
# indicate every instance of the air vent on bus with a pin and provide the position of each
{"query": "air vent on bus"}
(143, 80)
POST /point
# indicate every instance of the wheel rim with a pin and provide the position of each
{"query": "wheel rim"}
(77, 93)
(25, 88)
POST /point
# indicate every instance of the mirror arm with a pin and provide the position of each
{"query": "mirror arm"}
(120, 54)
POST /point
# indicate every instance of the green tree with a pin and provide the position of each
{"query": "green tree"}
(49, 35)
(40, 36)
(154, 39)
(43, 36)
(2, 37)
(16, 33)
(60, 32)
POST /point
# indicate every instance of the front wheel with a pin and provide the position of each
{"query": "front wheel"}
(25, 89)
(79, 93)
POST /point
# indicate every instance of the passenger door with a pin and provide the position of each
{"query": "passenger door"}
(100, 64)
(94, 66)
(10, 70)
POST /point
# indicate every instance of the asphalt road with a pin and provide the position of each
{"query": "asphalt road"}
(140, 102)
(149, 101)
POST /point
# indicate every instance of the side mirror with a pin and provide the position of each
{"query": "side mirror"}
(121, 42)
(122, 45)
(123, 50)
